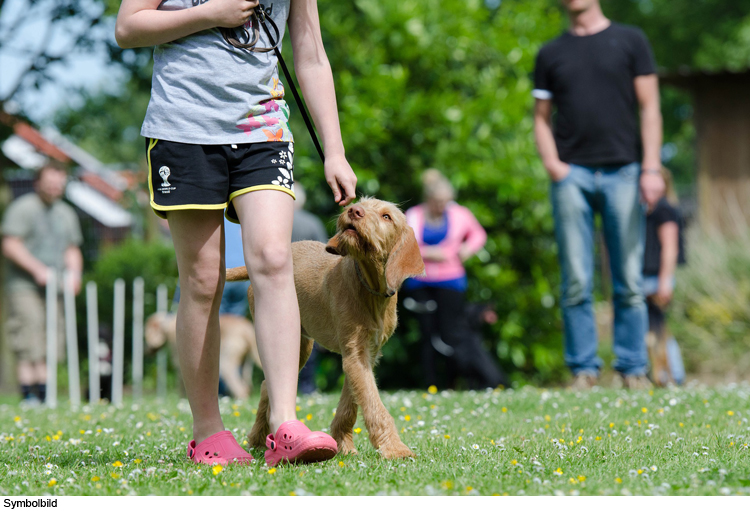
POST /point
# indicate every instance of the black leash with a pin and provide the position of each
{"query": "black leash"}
(258, 19)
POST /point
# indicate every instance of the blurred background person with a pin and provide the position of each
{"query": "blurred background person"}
(448, 234)
(307, 226)
(664, 250)
(601, 77)
(40, 232)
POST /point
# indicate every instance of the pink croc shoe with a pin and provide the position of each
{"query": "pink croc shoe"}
(294, 442)
(220, 448)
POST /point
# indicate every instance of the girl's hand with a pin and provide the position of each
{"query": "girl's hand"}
(229, 13)
(663, 295)
(341, 179)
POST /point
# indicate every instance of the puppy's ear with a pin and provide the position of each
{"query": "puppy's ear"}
(335, 247)
(404, 261)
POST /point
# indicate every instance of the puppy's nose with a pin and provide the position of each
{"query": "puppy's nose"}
(356, 212)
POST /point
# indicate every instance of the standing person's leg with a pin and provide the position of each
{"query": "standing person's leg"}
(266, 217)
(26, 332)
(427, 326)
(574, 231)
(199, 247)
(624, 222)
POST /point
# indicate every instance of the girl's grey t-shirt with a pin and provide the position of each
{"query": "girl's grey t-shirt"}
(205, 91)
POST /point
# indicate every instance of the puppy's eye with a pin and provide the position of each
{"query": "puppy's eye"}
(387, 216)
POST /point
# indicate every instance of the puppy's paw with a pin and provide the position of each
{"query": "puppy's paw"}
(397, 450)
(346, 446)
(257, 438)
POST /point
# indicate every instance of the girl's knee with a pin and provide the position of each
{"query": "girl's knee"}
(270, 260)
(203, 285)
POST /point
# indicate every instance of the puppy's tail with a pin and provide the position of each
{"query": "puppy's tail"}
(237, 273)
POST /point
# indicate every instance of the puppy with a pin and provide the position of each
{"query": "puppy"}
(238, 348)
(347, 299)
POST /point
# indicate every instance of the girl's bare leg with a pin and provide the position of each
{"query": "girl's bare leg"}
(266, 217)
(198, 237)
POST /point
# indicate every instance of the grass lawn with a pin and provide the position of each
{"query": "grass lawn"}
(529, 441)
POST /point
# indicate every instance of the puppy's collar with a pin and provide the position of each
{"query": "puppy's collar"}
(367, 287)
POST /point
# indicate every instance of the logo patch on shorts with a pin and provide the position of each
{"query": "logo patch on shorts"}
(166, 187)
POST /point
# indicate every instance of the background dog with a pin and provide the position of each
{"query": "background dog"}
(239, 350)
(347, 298)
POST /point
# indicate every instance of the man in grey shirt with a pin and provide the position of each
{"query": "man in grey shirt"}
(40, 232)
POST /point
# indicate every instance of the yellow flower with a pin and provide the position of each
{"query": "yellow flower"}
(182, 428)
(216, 469)
(358, 430)
(16, 419)
(731, 443)
(708, 425)
(52, 482)
(572, 480)
(469, 488)
(432, 390)
(432, 406)
(95, 478)
(309, 416)
(298, 408)
(447, 436)
(447, 484)
(82, 431)
(407, 418)
(681, 424)
(236, 413)
(117, 464)
(513, 462)
(504, 410)
(618, 480)
(598, 438)
(341, 464)
(581, 478)
(55, 437)
(640, 471)
(611, 424)
(558, 471)
(292, 494)
(137, 461)
(645, 410)
(114, 475)
(730, 413)
(547, 418)
(272, 471)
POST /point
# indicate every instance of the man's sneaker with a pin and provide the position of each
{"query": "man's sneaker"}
(583, 381)
(636, 382)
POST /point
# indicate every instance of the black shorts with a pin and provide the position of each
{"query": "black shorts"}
(193, 176)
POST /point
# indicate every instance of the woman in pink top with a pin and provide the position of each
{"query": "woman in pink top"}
(448, 235)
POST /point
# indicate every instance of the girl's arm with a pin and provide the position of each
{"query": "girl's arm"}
(668, 234)
(139, 24)
(316, 81)
(475, 238)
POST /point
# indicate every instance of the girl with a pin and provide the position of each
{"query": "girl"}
(218, 140)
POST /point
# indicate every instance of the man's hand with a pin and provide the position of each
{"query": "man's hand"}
(341, 179)
(652, 187)
(230, 13)
(40, 275)
(558, 171)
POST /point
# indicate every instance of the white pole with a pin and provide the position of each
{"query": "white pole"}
(71, 338)
(138, 338)
(92, 321)
(118, 343)
(51, 295)
(161, 356)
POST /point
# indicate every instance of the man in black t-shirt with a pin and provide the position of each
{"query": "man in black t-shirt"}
(598, 76)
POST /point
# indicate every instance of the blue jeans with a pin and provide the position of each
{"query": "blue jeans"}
(612, 191)
(234, 299)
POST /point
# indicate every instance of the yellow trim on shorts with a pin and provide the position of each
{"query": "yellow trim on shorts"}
(256, 188)
(160, 210)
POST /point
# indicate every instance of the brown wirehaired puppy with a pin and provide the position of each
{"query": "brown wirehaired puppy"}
(238, 349)
(347, 299)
